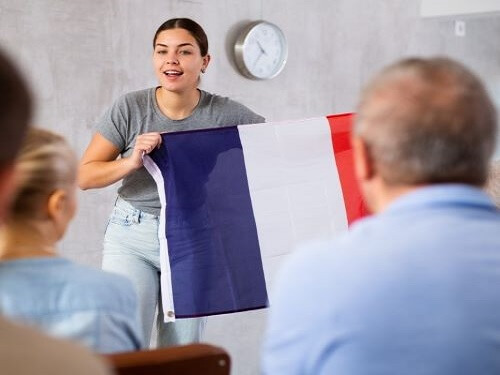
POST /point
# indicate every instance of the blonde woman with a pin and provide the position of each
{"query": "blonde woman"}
(42, 289)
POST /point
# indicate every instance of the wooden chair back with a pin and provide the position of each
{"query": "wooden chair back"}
(193, 359)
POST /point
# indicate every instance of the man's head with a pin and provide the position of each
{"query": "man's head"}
(15, 112)
(425, 121)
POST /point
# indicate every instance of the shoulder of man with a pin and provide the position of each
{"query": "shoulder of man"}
(327, 261)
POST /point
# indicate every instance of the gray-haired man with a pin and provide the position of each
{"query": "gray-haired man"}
(415, 288)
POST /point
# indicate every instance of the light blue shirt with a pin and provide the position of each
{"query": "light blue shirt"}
(413, 290)
(96, 308)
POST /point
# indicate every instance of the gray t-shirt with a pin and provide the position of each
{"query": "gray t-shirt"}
(137, 112)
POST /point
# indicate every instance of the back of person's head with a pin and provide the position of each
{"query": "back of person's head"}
(493, 183)
(46, 165)
(15, 110)
(428, 121)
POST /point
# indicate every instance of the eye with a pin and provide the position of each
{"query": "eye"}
(185, 52)
(161, 52)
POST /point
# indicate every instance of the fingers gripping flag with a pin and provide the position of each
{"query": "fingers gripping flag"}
(236, 200)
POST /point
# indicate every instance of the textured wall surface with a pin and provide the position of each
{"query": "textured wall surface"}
(80, 55)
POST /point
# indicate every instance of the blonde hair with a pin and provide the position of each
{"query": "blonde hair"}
(45, 163)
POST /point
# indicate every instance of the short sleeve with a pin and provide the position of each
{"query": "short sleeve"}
(247, 116)
(113, 124)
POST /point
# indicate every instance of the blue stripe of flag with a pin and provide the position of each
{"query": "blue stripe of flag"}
(213, 245)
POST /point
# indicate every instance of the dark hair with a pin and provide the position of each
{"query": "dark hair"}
(428, 121)
(189, 25)
(15, 110)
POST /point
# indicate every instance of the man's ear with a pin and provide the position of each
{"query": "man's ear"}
(363, 163)
(7, 189)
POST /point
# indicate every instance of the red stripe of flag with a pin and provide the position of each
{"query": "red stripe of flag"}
(340, 127)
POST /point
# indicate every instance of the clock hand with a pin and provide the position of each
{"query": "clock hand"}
(257, 59)
(262, 50)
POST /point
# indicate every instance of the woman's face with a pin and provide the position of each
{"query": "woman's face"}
(177, 60)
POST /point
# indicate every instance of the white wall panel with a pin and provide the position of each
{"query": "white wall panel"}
(434, 8)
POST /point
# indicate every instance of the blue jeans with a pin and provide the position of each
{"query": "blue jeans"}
(131, 248)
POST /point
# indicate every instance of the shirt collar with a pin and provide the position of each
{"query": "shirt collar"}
(441, 194)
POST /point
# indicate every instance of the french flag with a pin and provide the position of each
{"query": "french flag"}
(236, 200)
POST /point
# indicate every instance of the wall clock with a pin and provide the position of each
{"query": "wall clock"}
(261, 50)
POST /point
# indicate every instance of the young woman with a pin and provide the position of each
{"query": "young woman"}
(42, 289)
(130, 128)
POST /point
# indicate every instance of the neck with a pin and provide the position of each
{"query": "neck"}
(381, 194)
(177, 106)
(24, 241)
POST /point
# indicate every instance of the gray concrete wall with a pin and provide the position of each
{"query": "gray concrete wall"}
(80, 55)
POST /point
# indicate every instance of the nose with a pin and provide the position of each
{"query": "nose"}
(172, 59)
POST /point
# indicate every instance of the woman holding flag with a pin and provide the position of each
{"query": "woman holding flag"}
(131, 128)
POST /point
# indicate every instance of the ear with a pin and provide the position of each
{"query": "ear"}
(56, 205)
(206, 61)
(363, 162)
(7, 188)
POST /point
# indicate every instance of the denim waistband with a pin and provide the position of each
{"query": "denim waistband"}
(123, 204)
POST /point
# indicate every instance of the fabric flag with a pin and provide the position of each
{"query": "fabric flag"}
(236, 200)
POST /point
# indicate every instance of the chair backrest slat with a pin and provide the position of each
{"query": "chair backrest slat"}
(179, 360)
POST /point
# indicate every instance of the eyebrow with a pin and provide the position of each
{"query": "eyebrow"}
(180, 45)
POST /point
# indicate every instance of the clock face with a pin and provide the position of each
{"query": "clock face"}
(261, 51)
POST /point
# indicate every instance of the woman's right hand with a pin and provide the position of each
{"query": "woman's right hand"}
(144, 144)
(100, 167)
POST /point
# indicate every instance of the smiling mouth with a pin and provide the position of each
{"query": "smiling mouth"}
(172, 73)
